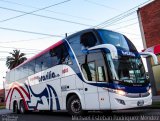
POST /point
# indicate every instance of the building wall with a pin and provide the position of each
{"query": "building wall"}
(149, 21)
(150, 18)
(2, 95)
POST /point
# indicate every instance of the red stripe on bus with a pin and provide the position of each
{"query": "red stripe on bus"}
(25, 104)
(18, 86)
(26, 93)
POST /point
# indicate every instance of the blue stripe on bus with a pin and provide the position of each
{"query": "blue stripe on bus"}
(46, 94)
(50, 88)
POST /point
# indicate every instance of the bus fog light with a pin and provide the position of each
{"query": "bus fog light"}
(121, 101)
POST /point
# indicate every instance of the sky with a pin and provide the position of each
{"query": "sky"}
(57, 20)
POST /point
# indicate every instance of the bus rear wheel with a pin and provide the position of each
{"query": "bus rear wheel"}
(22, 108)
(74, 106)
(15, 107)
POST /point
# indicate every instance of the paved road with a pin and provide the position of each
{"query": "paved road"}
(4, 111)
(125, 115)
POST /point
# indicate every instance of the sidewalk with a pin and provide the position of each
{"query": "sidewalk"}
(156, 98)
(155, 103)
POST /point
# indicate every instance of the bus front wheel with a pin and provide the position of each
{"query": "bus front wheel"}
(74, 106)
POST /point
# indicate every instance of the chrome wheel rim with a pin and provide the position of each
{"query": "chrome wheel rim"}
(76, 106)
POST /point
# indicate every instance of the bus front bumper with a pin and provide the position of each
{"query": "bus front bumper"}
(122, 102)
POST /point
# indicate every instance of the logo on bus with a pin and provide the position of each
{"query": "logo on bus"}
(65, 70)
(49, 75)
(128, 53)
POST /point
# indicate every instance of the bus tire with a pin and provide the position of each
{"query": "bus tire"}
(15, 107)
(22, 108)
(74, 106)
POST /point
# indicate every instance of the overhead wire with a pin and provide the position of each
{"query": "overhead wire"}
(127, 25)
(20, 48)
(9, 52)
(51, 11)
(110, 21)
(102, 5)
(49, 34)
(25, 40)
(40, 9)
(43, 16)
(121, 22)
(121, 16)
(30, 32)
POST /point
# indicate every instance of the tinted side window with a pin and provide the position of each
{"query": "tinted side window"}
(24, 71)
(38, 64)
(80, 42)
(53, 58)
(46, 61)
(88, 39)
(31, 67)
(7, 76)
(12, 75)
(16, 74)
(76, 45)
(60, 55)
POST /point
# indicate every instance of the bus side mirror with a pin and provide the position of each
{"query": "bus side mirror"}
(112, 49)
(146, 54)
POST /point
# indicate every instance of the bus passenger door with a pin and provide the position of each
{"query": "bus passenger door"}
(94, 70)
(90, 88)
(102, 80)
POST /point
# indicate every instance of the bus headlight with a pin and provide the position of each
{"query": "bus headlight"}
(121, 92)
(150, 90)
(117, 91)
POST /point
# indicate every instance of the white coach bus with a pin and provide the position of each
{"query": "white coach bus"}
(94, 69)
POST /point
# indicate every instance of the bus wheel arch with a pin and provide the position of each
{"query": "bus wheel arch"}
(73, 104)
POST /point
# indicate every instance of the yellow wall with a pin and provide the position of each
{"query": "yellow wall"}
(158, 56)
(156, 72)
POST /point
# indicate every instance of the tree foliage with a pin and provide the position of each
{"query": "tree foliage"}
(15, 59)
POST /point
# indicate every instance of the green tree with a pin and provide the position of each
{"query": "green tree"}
(15, 59)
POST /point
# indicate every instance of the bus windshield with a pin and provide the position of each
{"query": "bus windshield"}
(126, 69)
(116, 39)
